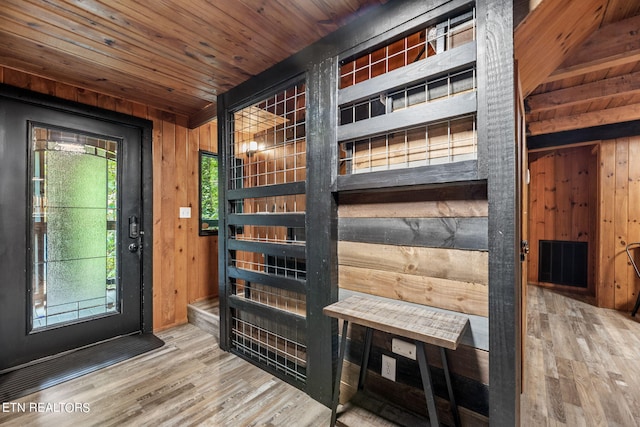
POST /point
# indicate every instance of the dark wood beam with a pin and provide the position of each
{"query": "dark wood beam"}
(582, 135)
(497, 132)
(321, 228)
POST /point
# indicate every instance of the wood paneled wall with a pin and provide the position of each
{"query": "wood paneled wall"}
(185, 264)
(619, 222)
(427, 247)
(563, 202)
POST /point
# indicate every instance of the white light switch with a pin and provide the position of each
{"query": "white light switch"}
(185, 212)
(403, 348)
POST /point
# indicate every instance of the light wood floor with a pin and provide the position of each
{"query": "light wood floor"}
(582, 364)
(189, 381)
(582, 369)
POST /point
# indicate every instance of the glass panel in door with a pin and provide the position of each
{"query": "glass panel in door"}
(73, 227)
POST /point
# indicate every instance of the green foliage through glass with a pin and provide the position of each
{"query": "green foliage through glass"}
(208, 193)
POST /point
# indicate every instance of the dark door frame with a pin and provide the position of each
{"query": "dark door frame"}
(18, 250)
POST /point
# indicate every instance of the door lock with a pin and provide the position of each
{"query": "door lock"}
(133, 247)
(134, 228)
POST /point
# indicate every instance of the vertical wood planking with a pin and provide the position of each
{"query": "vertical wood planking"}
(123, 106)
(169, 213)
(18, 79)
(550, 206)
(181, 226)
(91, 98)
(206, 280)
(157, 215)
(633, 231)
(562, 187)
(605, 290)
(620, 222)
(45, 86)
(188, 255)
(593, 198)
(534, 203)
(67, 92)
(193, 143)
(573, 194)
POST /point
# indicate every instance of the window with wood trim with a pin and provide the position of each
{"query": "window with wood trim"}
(208, 193)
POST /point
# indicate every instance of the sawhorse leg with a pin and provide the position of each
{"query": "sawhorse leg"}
(427, 384)
(336, 385)
(452, 399)
(635, 308)
(364, 364)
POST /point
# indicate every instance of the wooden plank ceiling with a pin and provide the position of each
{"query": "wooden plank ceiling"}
(579, 64)
(174, 55)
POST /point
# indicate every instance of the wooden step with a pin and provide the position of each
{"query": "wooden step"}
(205, 315)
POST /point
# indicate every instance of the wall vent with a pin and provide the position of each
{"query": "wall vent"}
(563, 262)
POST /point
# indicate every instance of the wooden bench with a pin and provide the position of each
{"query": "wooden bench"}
(421, 324)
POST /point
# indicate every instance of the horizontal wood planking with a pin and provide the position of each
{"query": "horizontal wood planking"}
(416, 209)
(168, 56)
(458, 233)
(462, 173)
(463, 297)
(183, 267)
(451, 264)
(476, 192)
